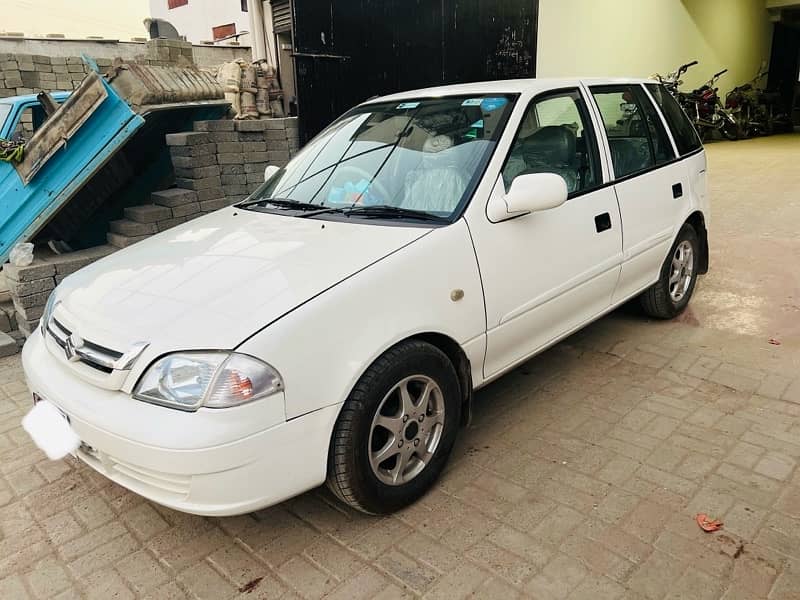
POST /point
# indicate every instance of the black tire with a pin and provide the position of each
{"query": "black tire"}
(731, 132)
(350, 475)
(656, 300)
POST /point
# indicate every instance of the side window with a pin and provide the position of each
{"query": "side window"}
(555, 137)
(686, 137)
(28, 121)
(636, 135)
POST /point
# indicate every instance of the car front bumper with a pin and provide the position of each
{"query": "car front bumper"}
(232, 477)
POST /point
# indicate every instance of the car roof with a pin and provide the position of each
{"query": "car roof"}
(57, 96)
(507, 86)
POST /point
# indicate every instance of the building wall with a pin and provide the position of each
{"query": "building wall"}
(204, 56)
(76, 18)
(641, 37)
(196, 19)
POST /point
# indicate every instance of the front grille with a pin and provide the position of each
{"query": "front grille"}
(96, 356)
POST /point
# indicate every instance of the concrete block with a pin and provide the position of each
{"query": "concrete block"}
(255, 167)
(188, 138)
(210, 194)
(275, 134)
(229, 147)
(185, 210)
(38, 269)
(258, 157)
(191, 162)
(193, 151)
(75, 68)
(275, 123)
(66, 264)
(26, 304)
(248, 147)
(278, 145)
(197, 173)
(212, 205)
(251, 125)
(27, 327)
(123, 241)
(132, 228)
(9, 65)
(170, 223)
(233, 169)
(230, 158)
(233, 179)
(278, 156)
(74, 60)
(198, 184)
(8, 345)
(255, 178)
(251, 136)
(58, 60)
(60, 69)
(146, 213)
(27, 288)
(235, 190)
(43, 77)
(219, 125)
(5, 322)
(173, 197)
(224, 136)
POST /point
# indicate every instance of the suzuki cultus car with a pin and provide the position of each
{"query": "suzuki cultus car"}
(333, 326)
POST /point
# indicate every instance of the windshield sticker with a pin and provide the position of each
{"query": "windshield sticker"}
(478, 123)
(490, 104)
(407, 105)
(472, 102)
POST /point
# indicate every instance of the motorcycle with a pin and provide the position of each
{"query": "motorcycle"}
(703, 105)
(705, 108)
(756, 110)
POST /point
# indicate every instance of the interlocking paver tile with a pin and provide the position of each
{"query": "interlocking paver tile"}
(579, 478)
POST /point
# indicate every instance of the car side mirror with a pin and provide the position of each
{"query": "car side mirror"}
(529, 193)
(270, 171)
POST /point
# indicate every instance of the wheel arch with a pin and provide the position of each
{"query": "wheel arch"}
(698, 222)
(453, 350)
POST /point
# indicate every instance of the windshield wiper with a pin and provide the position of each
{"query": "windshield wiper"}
(282, 203)
(385, 211)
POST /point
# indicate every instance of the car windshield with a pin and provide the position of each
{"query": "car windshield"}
(420, 157)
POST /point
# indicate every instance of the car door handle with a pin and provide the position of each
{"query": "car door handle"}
(602, 222)
(677, 190)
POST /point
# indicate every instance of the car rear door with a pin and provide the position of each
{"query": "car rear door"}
(649, 180)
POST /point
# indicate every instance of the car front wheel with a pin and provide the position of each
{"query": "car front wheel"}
(396, 429)
(668, 297)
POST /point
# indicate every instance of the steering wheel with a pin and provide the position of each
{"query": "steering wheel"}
(358, 174)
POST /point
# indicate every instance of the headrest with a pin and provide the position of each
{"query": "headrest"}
(556, 141)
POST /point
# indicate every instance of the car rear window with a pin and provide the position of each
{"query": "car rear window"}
(683, 131)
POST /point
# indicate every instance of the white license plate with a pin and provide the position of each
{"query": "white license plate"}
(50, 430)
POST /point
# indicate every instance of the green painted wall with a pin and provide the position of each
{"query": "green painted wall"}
(637, 38)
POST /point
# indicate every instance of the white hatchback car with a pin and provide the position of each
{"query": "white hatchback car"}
(334, 326)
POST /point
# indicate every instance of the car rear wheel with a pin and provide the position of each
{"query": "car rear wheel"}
(672, 292)
(396, 429)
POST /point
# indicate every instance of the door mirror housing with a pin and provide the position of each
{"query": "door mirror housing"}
(529, 193)
(270, 171)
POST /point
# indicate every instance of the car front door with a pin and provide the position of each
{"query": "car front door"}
(651, 185)
(547, 273)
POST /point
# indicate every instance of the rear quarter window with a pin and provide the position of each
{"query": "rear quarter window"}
(683, 131)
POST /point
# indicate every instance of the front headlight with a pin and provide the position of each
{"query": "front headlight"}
(190, 380)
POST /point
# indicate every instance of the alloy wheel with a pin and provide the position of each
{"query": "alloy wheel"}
(681, 271)
(406, 430)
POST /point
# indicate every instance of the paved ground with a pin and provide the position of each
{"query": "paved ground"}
(579, 477)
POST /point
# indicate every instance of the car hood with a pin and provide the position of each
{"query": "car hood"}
(213, 282)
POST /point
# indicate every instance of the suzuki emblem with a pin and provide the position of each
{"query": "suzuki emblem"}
(73, 344)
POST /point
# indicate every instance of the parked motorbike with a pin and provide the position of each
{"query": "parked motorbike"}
(705, 108)
(756, 110)
(703, 105)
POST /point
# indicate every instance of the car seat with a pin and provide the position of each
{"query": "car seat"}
(550, 149)
(630, 155)
(437, 184)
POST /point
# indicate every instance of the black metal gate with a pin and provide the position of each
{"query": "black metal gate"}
(348, 51)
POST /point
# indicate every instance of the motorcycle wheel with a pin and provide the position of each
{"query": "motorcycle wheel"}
(731, 131)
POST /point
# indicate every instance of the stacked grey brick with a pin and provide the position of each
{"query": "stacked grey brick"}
(224, 161)
(30, 286)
